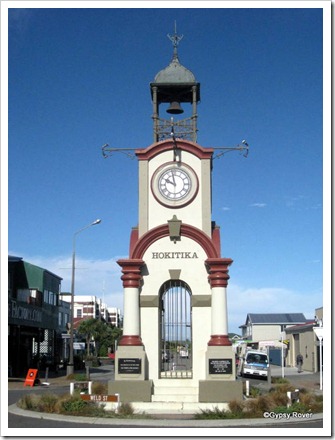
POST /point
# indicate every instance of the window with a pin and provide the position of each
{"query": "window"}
(79, 313)
(23, 295)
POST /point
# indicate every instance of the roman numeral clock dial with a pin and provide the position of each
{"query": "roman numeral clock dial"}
(174, 184)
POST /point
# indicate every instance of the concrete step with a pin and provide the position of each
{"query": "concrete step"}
(163, 398)
(176, 407)
(177, 383)
(176, 390)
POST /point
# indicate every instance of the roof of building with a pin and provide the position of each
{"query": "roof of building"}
(33, 269)
(301, 327)
(174, 73)
(12, 259)
(276, 318)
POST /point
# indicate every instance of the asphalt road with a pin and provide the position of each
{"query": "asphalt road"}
(15, 421)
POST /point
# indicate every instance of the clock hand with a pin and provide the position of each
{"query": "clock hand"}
(174, 180)
(170, 181)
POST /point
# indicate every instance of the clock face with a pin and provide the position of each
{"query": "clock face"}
(174, 184)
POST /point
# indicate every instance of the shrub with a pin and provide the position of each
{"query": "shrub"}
(215, 413)
(236, 407)
(256, 407)
(278, 398)
(279, 380)
(312, 402)
(126, 409)
(254, 392)
(47, 402)
(73, 405)
(99, 388)
(80, 377)
(28, 402)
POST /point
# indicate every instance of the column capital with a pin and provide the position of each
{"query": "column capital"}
(218, 271)
(131, 270)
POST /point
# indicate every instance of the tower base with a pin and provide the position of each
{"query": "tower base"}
(212, 391)
(134, 391)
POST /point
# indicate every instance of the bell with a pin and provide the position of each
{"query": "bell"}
(175, 108)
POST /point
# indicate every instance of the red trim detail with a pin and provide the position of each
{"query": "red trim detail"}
(218, 271)
(217, 340)
(133, 239)
(216, 238)
(132, 272)
(162, 231)
(166, 145)
(130, 340)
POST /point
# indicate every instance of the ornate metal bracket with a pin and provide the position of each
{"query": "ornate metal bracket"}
(107, 151)
(243, 147)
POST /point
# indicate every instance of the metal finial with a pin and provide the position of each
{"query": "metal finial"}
(175, 39)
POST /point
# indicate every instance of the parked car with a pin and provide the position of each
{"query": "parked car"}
(255, 363)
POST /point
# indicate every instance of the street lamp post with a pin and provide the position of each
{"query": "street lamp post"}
(70, 366)
(319, 334)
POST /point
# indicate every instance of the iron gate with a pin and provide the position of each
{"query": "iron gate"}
(175, 330)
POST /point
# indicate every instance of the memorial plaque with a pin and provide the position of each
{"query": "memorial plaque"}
(129, 366)
(220, 366)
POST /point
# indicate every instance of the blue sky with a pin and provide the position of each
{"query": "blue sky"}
(79, 78)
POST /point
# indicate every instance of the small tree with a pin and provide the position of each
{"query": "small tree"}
(103, 334)
(87, 328)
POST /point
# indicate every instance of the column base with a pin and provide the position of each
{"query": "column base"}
(219, 340)
(220, 363)
(131, 363)
(135, 391)
(130, 340)
(213, 391)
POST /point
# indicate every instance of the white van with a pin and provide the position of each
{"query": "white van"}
(255, 363)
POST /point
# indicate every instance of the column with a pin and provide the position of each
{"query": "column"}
(131, 278)
(155, 112)
(218, 278)
(194, 113)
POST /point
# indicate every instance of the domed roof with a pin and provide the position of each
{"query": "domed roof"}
(174, 73)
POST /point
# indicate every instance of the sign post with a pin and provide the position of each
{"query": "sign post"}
(319, 334)
(283, 335)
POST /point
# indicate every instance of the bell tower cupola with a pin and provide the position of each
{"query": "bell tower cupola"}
(175, 85)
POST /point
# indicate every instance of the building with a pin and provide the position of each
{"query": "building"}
(114, 316)
(33, 317)
(269, 326)
(92, 307)
(302, 340)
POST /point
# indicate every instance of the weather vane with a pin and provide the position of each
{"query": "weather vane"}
(175, 38)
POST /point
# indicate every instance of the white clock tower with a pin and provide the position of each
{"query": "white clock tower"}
(175, 346)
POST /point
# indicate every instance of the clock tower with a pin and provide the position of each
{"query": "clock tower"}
(175, 345)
